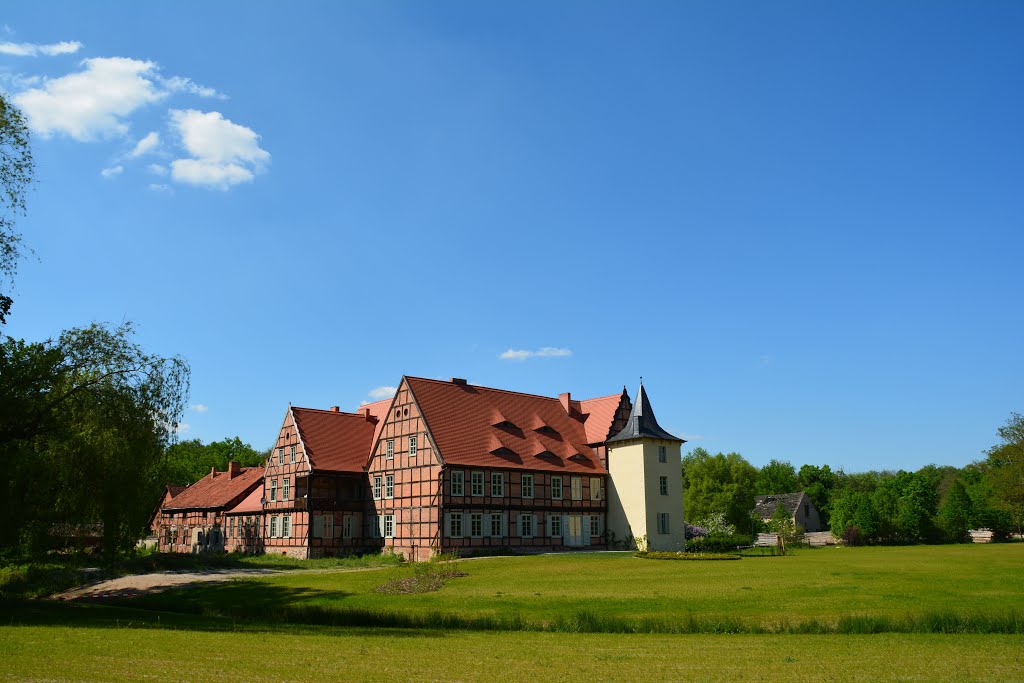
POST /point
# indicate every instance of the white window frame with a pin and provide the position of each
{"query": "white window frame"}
(291, 455)
(389, 486)
(526, 487)
(576, 488)
(663, 485)
(555, 524)
(662, 454)
(476, 525)
(526, 525)
(595, 526)
(497, 519)
(273, 526)
(497, 484)
(455, 518)
(389, 449)
(556, 491)
(286, 526)
(286, 489)
(476, 483)
(412, 446)
(389, 526)
(595, 488)
(378, 482)
(458, 483)
(280, 456)
(273, 490)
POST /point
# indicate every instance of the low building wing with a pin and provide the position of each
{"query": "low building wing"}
(217, 489)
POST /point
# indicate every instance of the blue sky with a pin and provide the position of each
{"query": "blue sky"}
(801, 222)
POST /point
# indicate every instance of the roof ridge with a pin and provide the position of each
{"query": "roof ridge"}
(481, 386)
(328, 412)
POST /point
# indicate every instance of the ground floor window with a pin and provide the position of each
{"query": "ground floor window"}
(389, 526)
(496, 530)
(286, 526)
(455, 525)
(555, 524)
(476, 525)
(346, 526)
(273, 527)
(596, 526)
(526, 525)
(663, 523)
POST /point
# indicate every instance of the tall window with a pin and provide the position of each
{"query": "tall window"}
(526, 525)
(556, 488)
(477, 484)
(497, 484)
(595, 488)
(374, 526)
(458, 483)
(496, 525)
(286, 491)
(280, 456)
(389, 449)
(476, 525)
(273, 490)
(662, 456)
(663, 523)
(556, 525)
(291, 456)
(595, 526)
(376, 486)
(527, 486)
(455, 525)
(576, 484)
(389, 486)
(663, 485)
(286, 526)
(273, 526)
(412, 446)
(389, 526)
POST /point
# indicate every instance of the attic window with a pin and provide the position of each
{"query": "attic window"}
(547, 430)
(505, 424)
(504, 452)
(545, 454)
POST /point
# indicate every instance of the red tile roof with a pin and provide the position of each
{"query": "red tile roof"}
(379, 409)
(600, 413)
(461, 419)
(217, 490)
(250, 504)
(335, 441)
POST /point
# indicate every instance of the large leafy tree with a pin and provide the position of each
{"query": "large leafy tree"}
(16, 171)
(718, 483)
(85, 421)
(819, 483)
(776, 477)
(1004, 471)
(188, 461)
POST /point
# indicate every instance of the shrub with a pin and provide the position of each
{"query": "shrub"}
(717, 544)
(852, 536)
(685, 556)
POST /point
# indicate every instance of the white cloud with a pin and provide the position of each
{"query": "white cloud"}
(91, 104)
(382, 392)
(543, 352)
(199, 408)
(144, 145)
(187, 85)
(112, 171)
(157, 169)
(691, 437)
(67, 47)
(224, 153)
(159, 187)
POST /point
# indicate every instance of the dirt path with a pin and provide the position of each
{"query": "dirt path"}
(144, 584)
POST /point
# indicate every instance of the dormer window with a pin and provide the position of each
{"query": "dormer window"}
(505, 424)
(547, 430)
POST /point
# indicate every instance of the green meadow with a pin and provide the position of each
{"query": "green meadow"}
(919, 613)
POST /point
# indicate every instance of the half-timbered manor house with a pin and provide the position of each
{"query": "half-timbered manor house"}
(445, 466)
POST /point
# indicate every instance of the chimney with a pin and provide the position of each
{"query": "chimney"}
(335, 409)
(566, 401)
(458, 380)
(213, 472)
(366, 414)
(233, 469)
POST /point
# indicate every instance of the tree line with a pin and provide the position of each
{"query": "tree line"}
(931, 505)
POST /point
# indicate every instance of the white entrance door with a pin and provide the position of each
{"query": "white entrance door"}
(574, 530)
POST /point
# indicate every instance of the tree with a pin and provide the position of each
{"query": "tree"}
(819, 483)
(776, 477)
(1004, 471)
(16, 171)
(956, 513)
(188, 461)
(84, 424)
(718, 483)
(785, 529)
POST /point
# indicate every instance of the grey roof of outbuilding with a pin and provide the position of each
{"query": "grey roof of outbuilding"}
(642, 422)
(765, 506)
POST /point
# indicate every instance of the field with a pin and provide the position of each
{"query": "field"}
(910, 613)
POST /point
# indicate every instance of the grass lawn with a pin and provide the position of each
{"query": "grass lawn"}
(50, 653)
(615, 588)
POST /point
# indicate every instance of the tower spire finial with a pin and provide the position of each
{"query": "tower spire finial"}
(641, 380)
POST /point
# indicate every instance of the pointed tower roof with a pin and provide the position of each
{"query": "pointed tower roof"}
(642, 422)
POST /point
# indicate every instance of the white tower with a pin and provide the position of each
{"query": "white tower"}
(645, 497)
